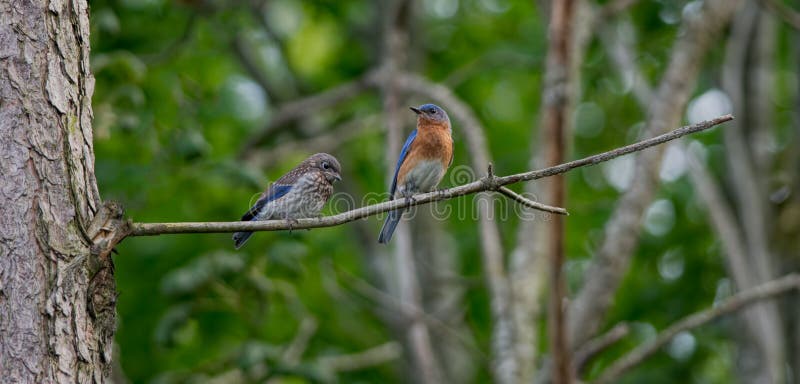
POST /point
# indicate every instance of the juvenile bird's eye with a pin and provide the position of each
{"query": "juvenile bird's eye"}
(325, 165)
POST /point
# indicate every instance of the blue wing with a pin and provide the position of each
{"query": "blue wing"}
(275, 191)
(401, 159)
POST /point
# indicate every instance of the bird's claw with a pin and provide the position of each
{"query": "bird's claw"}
(292, 222)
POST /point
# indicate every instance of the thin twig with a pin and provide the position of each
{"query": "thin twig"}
(294, 351)
(149, 229)
(734, 303)
(586, 352)
(530, 203)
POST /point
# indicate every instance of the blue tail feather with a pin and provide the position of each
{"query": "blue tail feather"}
(239, 238)
(389, 226)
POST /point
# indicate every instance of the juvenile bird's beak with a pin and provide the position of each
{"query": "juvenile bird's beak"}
(332, 177)
(417, 111)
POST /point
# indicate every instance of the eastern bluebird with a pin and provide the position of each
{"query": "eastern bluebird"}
(424, 159)
(300, 193)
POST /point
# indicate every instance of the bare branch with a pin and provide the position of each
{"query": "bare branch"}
(783, 12)
(734, 303)
(353, 362)
(759, 319)
(618, 42)
(149, 229)
(555, 115)
(723, 220)
(294, 352)
(530, 203)
(594, 346)
(747, 192)
(621, 232)
(751, 197)
(530, 258)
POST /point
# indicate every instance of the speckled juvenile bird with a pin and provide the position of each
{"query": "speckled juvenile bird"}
(300, 193)
(424, 159)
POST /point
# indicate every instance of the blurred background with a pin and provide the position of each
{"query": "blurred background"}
(199, 104)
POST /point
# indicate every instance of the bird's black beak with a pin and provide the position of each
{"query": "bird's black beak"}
(417, 111)
(337, 177)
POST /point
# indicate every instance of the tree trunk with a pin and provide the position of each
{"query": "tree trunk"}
(57, 291)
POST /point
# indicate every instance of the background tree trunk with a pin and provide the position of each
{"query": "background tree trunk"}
(57, 289)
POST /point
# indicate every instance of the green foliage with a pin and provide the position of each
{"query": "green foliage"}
(174, 106)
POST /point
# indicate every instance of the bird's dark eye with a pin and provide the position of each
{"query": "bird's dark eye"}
(325, 165)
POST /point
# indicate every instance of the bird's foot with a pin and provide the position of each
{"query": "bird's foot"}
(292, 222)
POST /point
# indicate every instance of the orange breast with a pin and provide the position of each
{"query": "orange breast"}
(432, 143)
(435, 142)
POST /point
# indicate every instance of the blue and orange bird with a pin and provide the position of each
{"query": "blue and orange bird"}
(423, 161)
(300, 193)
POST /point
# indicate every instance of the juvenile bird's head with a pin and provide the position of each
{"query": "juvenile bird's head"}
(431, 114)
(326, 164)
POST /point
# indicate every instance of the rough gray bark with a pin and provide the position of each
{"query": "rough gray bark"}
(56, 287)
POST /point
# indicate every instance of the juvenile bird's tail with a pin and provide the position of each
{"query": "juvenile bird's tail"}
(239, 238)
(389, 225)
